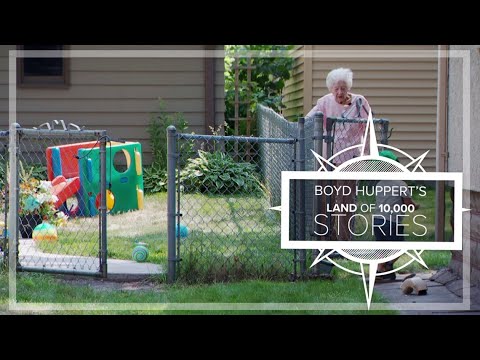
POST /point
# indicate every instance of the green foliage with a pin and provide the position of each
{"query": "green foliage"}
(157, 129)
(154, 179)
(267, 79)
(155, 175)
(3, 175)
(28, 171)
(218, 173)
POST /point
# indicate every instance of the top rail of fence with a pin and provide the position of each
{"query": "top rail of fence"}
(249, 139)
(350, 120)
(53, 132)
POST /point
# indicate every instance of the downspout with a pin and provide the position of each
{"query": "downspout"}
(209, 89)
(442, 147)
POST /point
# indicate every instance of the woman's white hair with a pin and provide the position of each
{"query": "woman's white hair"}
(340, 74)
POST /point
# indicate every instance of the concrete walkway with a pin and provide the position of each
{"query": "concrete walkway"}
(443, 287)
(32, 257)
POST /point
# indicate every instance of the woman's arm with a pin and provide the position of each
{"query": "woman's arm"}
(317, 108)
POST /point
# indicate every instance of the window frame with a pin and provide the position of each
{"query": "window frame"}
(47, 81)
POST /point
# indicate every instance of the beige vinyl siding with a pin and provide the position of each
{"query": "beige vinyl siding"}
(403, 90)
(293, 95)
(120, 94)
(219, 91)
(4, 66)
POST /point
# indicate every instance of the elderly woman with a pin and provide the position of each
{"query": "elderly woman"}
(341, 103)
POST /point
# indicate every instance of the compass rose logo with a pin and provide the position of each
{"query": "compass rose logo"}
(369, 254)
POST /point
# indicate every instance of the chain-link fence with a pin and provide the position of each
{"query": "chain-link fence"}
(66, 184)
(223, 227)
(327, 137)
(60, 179)
(224, 188)
(221, 189)
(271, 124)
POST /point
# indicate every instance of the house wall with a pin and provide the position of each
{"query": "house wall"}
(471, 234)
(457, 154)
(403, 90)
(295, 87)
(119, 94)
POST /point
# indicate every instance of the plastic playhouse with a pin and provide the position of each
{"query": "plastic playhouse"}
(74, 170)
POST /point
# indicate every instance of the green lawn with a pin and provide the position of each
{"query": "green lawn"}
(230, 237)
(80, 235)
(233, 245)
(39, 288)
(221, 225)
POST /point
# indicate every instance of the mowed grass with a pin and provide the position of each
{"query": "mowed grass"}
(48, 289)
(80, 236)
(231, 237)
(229, 240)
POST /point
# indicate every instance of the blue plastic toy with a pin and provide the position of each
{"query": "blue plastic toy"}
(182, 229)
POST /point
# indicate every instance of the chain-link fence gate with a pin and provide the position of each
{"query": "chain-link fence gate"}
(221, 226)
(61, 225)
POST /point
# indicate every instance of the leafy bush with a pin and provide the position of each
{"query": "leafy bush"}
(154, 179)
(218, 173)
(155, 175)
(37, 171)
(157, 129)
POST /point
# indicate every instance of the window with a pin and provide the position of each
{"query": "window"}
(43, 72)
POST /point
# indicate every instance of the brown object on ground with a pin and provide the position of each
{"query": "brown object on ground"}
(415, 284)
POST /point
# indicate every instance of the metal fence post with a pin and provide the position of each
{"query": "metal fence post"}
(18, 151)
(384, 131)
(293, 230)
(12, 252)
(103, 203)
(317, 201)
(171, 210)
(300, 209)
(329, 140)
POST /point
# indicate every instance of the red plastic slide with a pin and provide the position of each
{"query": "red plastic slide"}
(64, 188)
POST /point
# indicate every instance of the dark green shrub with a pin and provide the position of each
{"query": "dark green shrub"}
(157, 129)
(154, 179)
(155, 175)
(219, 173)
